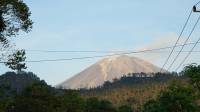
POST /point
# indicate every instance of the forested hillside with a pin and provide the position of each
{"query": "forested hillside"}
(17, 82)
(133, 89)
(160, 93)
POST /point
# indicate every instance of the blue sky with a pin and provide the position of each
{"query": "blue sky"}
(101, 25)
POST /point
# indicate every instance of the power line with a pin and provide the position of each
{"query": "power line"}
(177, 41)
(88, 51)
(125, 53)
(73, 51)
(102, 51)
(184, 43)
(188, 54)
(183, 47)
(121, 51)
(174, 51)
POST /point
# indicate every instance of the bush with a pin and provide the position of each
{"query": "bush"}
(176, 98)
(125, 108)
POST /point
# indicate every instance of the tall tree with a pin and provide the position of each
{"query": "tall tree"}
(14, 17)
(16, 61)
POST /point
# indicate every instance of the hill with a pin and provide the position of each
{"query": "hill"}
(18, 82)
(131, 90)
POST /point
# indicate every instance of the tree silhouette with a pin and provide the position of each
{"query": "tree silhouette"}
(193, 72)
(16, 61)
(14, 17)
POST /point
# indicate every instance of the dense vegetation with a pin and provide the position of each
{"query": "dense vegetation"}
(132, 89)
(25, 92)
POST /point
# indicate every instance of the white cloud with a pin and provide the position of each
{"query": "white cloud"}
(158, 57)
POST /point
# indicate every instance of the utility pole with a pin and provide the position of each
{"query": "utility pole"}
(195, 9)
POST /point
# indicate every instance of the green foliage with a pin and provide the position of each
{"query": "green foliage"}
(131, 90)
(17, 82)
(152, 106)
(125, 108)
(37, 98)
(12, 84)
(95, 105)
(5, 100)
(91, 104)
(193, 72)
(106, 106)
(71, 102)
(14, 17)
(16, 60)
(176, 98)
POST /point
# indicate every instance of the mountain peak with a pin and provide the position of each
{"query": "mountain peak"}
(107, 69)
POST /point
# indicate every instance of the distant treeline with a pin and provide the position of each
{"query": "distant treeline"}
(135, 79)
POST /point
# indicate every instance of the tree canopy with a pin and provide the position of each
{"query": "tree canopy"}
(14, 17)
(16, 60)
(193, 72)
(176, 98)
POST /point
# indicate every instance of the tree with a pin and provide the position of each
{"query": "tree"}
(95, 105)
(193, 72)
(71, 102)
(16, 61)
(91, 105)
(152, 106)
(106, 106)
(37, 98)
(125, 108)
(5, 97)
(176, 98)
(14, 17)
